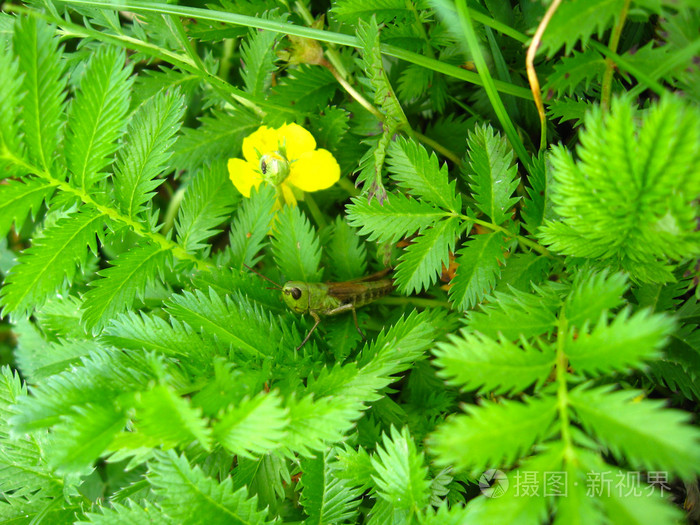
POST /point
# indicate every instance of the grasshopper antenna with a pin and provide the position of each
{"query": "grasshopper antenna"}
(277, 286)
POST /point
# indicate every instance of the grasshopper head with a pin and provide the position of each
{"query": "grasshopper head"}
(296, 295)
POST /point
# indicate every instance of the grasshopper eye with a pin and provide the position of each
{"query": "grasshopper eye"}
(296, 293)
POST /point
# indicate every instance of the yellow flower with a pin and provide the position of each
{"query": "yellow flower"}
(286, 158)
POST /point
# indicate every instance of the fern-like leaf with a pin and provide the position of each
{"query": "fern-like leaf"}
(208, 501)
(420, 174)
(422, 261)
(10, 85)
(651, 437)
(20, 199)
(307, 89)
(570, 72)
(479, 265)
(399, 216)
(44, 82)
(477, 361)
(325, 497)
(207, 202)
(296, 247)
(346, 252)
(52, 258)
(350, 11)
(258, 57)
(126, 279)
(96, 117)
(492, 176)
(151, 135)
(251, 226)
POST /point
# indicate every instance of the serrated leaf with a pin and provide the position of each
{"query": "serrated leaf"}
(372, 164)
(593, 294)
(325, 497)
(121, 283)
(44, 82)
(239, 323)
(399, 216)
(151, 135)
(53, 257)
(296, 247)
(250, 227)
(258, 57)
(570, 72)
(18, 199)
(477, 361)
(626, 342)
(208, 501)
(132, 515)
(492, 434)
(254, 426)
(208, 200)
(307, 88)
(420, 174)
(350, 11)
(579, 20)
(401, 477)
(10, 86)
(219, 136)
(346, 252)
(537, 206)
(97, 116)
(643, 432)
(479, 265)
(492, 175)
(420, 264)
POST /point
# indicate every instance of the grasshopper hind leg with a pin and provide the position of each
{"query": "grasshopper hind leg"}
(357, 325)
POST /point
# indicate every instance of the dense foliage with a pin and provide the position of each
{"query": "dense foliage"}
(543, 331)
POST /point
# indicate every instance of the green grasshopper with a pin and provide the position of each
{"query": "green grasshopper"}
(323, 299)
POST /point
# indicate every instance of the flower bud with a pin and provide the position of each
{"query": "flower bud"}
(274, 168)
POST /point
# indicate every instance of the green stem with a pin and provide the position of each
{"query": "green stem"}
(640, 75)
(561, 366)
(510, 235)
(606, 89)
(349, 187)
(319, 218)
(138, 228)
(490, 87)
(173, 207)
(306, 32)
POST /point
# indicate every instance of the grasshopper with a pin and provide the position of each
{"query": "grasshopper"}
(323, 299)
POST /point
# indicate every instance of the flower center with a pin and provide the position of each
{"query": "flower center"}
(274, 167)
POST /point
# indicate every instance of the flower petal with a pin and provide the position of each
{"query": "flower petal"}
(313, 171)
(263, 139)
(243, 176)
(297, 140)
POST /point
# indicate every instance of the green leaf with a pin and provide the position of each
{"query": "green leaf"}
(132, 515)
(372, 164)
(51, 260)
(350, 11)
(232, 320)
(401, 475)
(522, 271)
(399, 216)
(151, 135)
(420, 264)
(492, 175)
(570, 72)
(479, 265)
(493, 433)
(515, 314)
(254, 426)
(645, 433)
(592, 295)
(579, 20)
(258, 57)
(296, 247)
(97, 116)
(218, 136)
(251, 226)
(346, 252)
(208, 201)
(626, 342)
(325, 497)
(420, 174)
(629, 200)
(10, 86)
(18, 199)
(122, 282)
(537, 206)
(44, 82)
(163, 418)
(308, 89)
(208, 501)
(81, 437)
(477, 361)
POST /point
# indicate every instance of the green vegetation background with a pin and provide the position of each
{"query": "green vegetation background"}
(545, 245)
